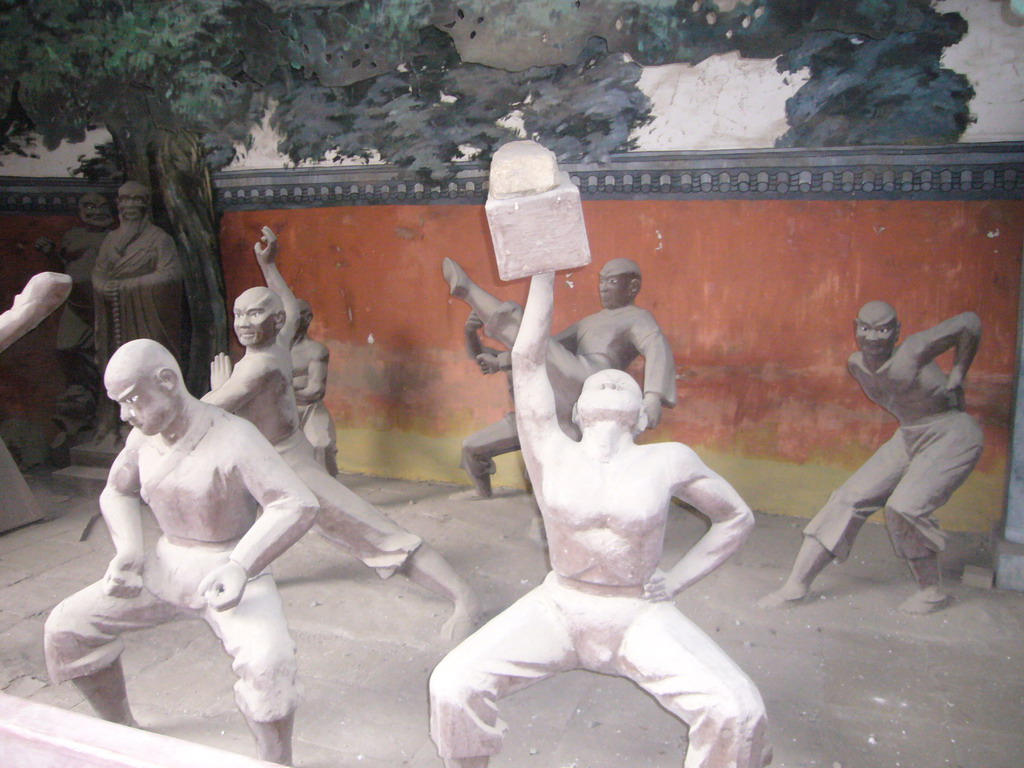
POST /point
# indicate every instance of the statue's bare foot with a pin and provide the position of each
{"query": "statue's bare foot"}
(924, 601)
(464, 620)
(458, 281)
(786, 596)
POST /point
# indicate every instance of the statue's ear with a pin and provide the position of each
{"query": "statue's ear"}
(279, 320)
(634, 286)
(166, 379)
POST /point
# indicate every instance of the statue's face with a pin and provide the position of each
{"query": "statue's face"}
(618, 290)
(877, 339)
(132, 206)
(144, 404)
(609, 395)
(256, 321)
(94, 211)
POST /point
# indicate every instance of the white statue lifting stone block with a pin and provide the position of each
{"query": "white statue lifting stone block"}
(534, 213)
(606, 605)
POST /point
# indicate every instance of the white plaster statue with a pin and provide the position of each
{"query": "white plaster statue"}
(309, 380)
(205, 474)
(259, 388)
(917, 470)
(606, 605)
(42, 295)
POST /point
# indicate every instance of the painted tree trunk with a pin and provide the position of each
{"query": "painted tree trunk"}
(178, 168)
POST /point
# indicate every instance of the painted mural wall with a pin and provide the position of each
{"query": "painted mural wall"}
(757, 298)
(723, 102)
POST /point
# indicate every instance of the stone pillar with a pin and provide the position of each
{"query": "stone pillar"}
(1010, 540)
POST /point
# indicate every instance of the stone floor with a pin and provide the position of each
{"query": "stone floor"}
(848, 681)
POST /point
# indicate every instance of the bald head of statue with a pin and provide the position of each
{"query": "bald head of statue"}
(144, 379)
(258, 317)
(619, 283)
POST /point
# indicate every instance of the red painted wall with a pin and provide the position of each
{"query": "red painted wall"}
(757, 298)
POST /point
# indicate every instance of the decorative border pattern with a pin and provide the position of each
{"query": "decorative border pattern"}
(953, 172)
(26, 194)
(958, 172)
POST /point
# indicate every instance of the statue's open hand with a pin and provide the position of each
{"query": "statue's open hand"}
(266, 248)
(223, 586)
(488, 363)
(123, 578)
(658, 587)
(220, 370)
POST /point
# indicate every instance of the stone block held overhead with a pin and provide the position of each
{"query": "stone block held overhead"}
(534, 213)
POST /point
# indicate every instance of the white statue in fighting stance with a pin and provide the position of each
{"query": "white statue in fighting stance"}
(605, 606)
(204, 474)
(259, 388)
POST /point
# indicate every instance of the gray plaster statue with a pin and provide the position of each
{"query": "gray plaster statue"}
(205, 474)
(137, 282)
(259, 388)
(310, 359)
(41, 296)
(606, 606)
(917, 470)
(501, 437)
(76, 344)
(612, 338)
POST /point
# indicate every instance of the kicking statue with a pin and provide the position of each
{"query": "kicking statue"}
(917, 470)
(259, 388)
(605, 606)
(309, 380)
(204, 474)
(611, 338)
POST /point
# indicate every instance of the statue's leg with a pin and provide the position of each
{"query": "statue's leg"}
(364, 531)
(676, 662)
(480, 448)
(273, 740)
(82, 643)
(107, 694)
(255, 635)
(921, 554)
(949, 450)
(524, 644)
(430, 570)
(500, 318)
(831, 533)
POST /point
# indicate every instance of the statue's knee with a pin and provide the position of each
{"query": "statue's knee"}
(448, 684)
(738, 708)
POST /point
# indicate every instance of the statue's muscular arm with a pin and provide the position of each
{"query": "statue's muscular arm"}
(266, 251)
(121, 506)
(962, 332)
(315, 386)
(731, 521)
(539, 433)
